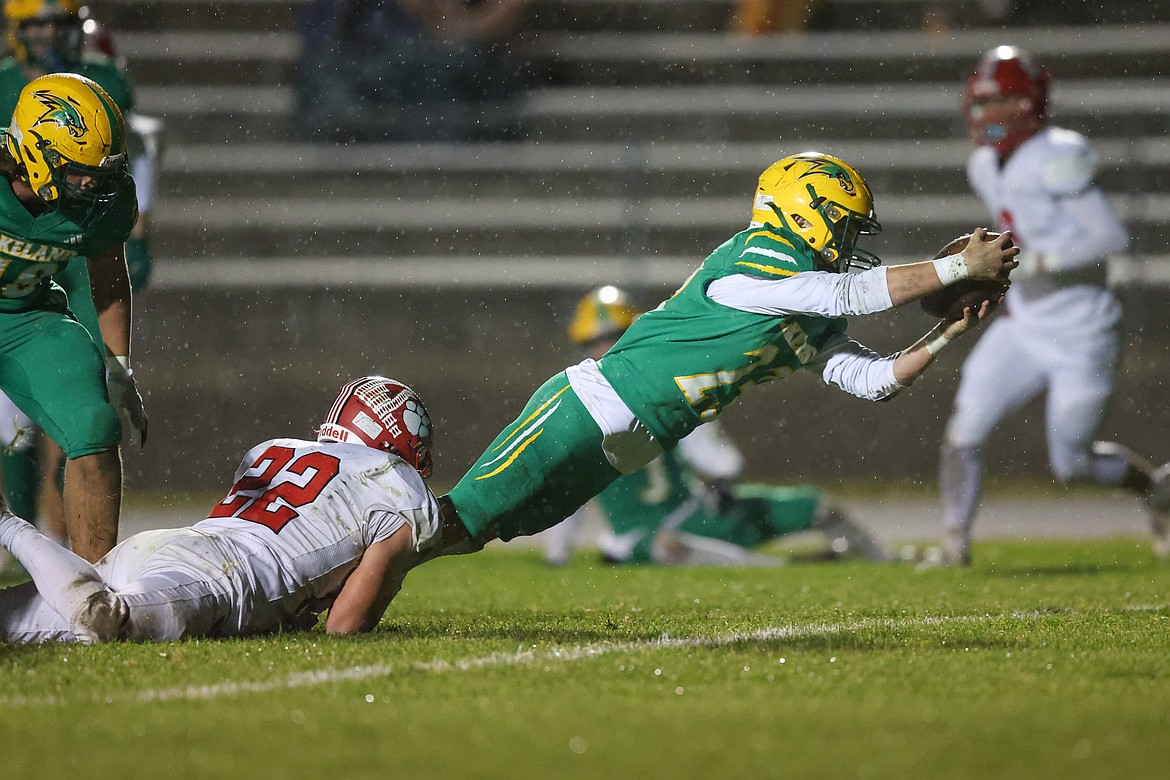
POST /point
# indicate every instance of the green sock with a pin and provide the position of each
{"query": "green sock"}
(21, 475)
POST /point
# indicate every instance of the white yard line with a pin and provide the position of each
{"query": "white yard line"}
(563, 653)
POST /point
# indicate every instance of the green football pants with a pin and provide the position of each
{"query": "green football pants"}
(51, 368)
(538, 471)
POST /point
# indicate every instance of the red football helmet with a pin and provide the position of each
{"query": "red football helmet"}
(1006, 99)
(383, 414)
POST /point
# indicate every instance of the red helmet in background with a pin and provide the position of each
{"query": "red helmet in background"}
(384, 414)
(1006, 99)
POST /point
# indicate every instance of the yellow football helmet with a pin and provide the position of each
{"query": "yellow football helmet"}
(55, 52)
(824, 201)
(603, 313)
(68, 137)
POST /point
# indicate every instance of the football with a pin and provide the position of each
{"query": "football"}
(950, 302)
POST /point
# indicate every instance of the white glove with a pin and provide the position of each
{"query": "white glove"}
(126, 399)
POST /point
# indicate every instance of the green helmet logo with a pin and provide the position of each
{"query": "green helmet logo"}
(833, 171)
(61, 113)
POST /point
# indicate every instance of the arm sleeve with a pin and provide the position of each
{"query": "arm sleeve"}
(819, 293)
(857, 369)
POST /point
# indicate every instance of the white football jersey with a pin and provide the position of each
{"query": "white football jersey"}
(301, 515)
(1044, 193)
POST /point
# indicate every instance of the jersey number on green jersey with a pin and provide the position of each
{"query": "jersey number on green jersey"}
(699, 388)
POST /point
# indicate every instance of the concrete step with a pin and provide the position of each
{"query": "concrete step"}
(613, 59)
(257, 15)
(178, 58)
(155, 16)
(877, 110)
(580, 15)
(235, 226)
(533, 170)
(623, 59)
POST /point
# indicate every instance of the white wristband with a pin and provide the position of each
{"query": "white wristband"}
(936, 342)
(119, 363)
(951, 269)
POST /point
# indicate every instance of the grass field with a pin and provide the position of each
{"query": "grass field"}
(1043, 661)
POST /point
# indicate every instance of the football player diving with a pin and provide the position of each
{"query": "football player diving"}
(686, 507)
(772, 299)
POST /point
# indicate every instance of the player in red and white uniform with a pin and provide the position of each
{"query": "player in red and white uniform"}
(1059, 333)
(308, 525)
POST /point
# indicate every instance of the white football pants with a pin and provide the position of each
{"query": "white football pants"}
(1009, 367)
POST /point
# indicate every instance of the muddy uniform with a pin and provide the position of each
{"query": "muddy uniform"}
(274, 553)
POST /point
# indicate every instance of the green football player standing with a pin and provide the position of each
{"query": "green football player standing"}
(70, 199)
(771, 300)
(45, 36)
(49, 36)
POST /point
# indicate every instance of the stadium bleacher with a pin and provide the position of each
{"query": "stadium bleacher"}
(645, 101)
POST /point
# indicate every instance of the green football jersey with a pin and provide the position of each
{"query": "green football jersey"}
(97, 67)
(33, 248)
(683, 363)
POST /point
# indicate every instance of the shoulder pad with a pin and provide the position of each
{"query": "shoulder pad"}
(1069, 162)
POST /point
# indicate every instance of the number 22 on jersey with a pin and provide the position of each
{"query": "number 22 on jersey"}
(276, 484)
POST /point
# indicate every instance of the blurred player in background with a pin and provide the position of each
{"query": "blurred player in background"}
(50, 36)
(70, 201)
(1059, 335)
(308, 526)
(685, 507)
(62, 36)
(771, 300)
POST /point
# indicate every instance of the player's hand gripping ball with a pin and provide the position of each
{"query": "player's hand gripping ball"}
(950, 302)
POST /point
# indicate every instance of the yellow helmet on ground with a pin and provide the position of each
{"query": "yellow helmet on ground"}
(69, 138)
(604, 312)
(65, 47)
(824, 201)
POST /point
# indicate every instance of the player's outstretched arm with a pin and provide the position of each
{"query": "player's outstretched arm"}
(913, 362)
(983, 258)
(372, 585)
